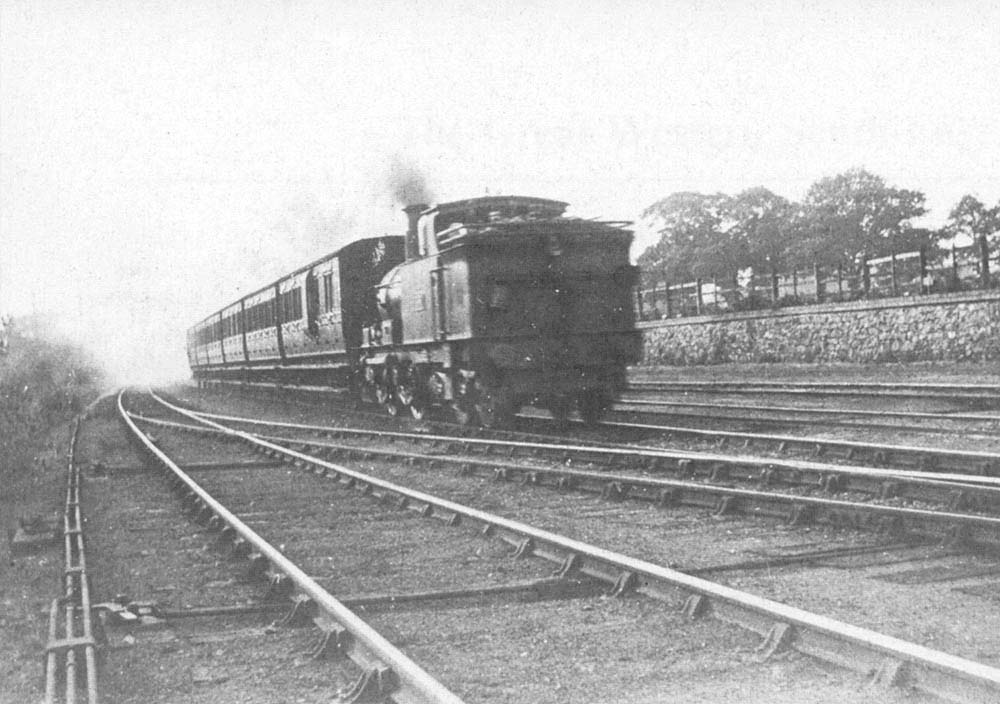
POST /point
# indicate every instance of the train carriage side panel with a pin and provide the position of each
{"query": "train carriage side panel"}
(291, 314)
(232, 337)
(261, 335)
(328, 316)
(322, 324)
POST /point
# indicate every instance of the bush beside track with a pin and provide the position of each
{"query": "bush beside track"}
(42, 385)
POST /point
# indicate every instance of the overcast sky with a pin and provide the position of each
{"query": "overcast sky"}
(159, 159)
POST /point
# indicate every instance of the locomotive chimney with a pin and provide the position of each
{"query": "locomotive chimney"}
(410, 247)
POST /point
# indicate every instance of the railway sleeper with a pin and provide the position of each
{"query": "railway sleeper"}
(334, 639)
(302, 613)
(801, 514)
(719, 472)
(279, 586)
(725, 505)
(778, 639)
(695, 606)
(627, 582)
(258, 567)
(667, 497)
(889, 674)
(374, 684)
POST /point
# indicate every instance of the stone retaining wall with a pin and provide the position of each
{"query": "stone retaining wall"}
(948, 327)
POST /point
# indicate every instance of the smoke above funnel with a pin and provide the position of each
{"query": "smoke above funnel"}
(407, 183)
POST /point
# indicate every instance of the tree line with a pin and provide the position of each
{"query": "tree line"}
(843, 221)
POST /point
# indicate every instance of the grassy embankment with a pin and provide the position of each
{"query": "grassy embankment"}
(43, 384)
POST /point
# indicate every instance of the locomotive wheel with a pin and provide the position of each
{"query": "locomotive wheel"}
(387, 399)
(592, 405)
(418, 406)
(464, 414)
(368, 392)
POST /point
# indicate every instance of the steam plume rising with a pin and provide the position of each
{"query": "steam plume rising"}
(406, 183)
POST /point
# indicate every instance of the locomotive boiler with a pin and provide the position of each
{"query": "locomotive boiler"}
(485, 305)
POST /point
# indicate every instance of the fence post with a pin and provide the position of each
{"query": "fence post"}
(715, 291)
(892, 273)
(866, 280)
(819, 287)
(666, 299)
(698, 303)
(840, 282)
(638, 300)
(924, 288)
(954, 266)
(795, 284)
(774, 286)
(984, 259)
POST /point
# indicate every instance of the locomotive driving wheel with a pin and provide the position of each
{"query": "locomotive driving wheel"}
(418, 407)
(387, 399)
(463, 405)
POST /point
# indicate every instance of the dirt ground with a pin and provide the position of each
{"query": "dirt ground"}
(29, 582)
(587, 649)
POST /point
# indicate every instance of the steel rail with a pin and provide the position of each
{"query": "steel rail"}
(990, 461)
(927, 457)
(862, 413)
(414, 683)
(941, 674)
(77, 618)
(984, 486)
(832, 422)
(672, 492)
(844, 388)
(630, 452)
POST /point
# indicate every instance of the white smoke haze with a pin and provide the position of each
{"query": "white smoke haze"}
(159, 160)
(407, 183)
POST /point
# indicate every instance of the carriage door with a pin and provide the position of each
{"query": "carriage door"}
(312, 305)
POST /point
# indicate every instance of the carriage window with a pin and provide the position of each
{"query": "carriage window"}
(327, 291)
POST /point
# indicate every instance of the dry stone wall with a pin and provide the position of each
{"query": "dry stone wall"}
(949, 327)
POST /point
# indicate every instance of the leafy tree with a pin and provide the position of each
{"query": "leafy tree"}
(763, 223)
(973, 219)
(856, 214)
(694, 241)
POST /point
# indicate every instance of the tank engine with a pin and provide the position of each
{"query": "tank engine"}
(486, 304)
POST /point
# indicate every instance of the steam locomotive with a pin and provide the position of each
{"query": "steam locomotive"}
(483, 306)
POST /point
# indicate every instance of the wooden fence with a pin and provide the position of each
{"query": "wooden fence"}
(904, 274)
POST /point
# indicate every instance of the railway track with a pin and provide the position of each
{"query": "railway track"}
(957, 507)
(781, 626)
(386, 671)
(905, 454)
(71, 651)
(911, 390)
(927, 407)
(881, 454)
(973, 424)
